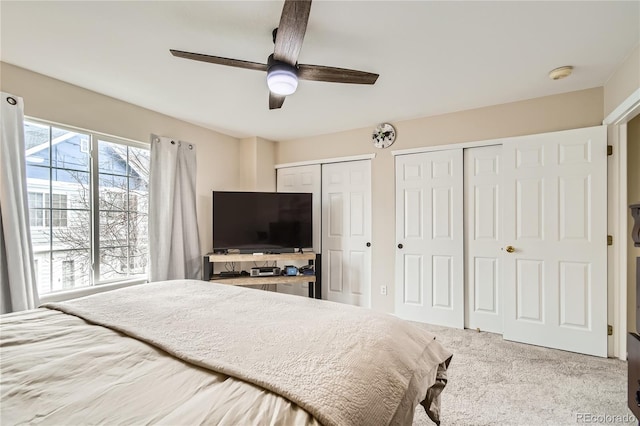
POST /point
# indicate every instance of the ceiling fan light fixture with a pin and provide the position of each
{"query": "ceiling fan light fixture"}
(282, 79)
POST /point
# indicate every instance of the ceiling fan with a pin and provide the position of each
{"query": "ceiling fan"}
(283, 70)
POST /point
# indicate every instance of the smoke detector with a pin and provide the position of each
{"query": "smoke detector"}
(561, 72)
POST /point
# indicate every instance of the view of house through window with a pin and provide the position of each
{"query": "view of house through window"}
(87, 207)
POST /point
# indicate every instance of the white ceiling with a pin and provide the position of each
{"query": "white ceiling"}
(432, 57)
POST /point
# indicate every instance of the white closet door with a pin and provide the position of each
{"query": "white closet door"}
(429, 229)
(346, 232)
(555, 218)
(303, 179)
(483, 237)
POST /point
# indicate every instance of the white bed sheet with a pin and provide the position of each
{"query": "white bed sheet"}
(57, 369)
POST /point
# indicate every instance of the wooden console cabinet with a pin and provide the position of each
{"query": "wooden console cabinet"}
(311, 258)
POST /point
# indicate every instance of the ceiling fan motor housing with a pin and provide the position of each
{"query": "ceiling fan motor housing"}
(282, 78)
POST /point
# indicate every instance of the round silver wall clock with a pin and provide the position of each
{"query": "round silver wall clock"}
(383, 136)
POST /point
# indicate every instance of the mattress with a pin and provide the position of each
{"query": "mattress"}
(109, 358)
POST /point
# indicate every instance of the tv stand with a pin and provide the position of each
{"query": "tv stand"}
(310, 257)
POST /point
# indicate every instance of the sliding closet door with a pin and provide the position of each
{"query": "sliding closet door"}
(429, 229)
(346, 232)
(483, 237)
(555, 261)
(303, 179)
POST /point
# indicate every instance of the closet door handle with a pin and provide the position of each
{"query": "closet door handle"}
(368, 244)
(400, 246)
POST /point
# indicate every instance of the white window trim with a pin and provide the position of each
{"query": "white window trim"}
(60, 296)
(104, 136)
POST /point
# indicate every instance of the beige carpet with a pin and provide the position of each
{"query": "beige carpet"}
(496, 382)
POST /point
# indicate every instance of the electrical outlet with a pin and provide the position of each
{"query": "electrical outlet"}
(383, 290)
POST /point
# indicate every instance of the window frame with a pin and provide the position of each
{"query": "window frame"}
(94, 173)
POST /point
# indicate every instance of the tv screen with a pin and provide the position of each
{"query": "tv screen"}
(268, 222)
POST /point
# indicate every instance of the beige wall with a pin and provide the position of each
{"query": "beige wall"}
(53, 100)
(560, 112)
(633, 197)
(623, 82)
(266, 159)
(257, 158)
(246, 166)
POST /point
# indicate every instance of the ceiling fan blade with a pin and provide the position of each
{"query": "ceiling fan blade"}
(335, 75)
(219, 60)
(275, 101)
(290, 34)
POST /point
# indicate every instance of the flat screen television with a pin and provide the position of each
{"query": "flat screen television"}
(267, 222)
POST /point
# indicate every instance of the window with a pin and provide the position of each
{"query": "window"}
(41, 212)
(58, 210)
(36, 210)
(87, 196)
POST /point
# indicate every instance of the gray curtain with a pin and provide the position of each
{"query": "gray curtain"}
(18, 290)
(174, 245)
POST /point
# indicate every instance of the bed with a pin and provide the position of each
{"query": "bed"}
(193, 352)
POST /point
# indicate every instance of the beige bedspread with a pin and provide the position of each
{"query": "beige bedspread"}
(343, 365)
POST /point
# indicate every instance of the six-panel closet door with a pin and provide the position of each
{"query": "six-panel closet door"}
(346, 232)
(555, 231)
(429, 236)
(483, 246)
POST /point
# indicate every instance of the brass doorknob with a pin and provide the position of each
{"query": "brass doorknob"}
(510, 249)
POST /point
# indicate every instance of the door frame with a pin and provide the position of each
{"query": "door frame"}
(618, 213)
(326, 161)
